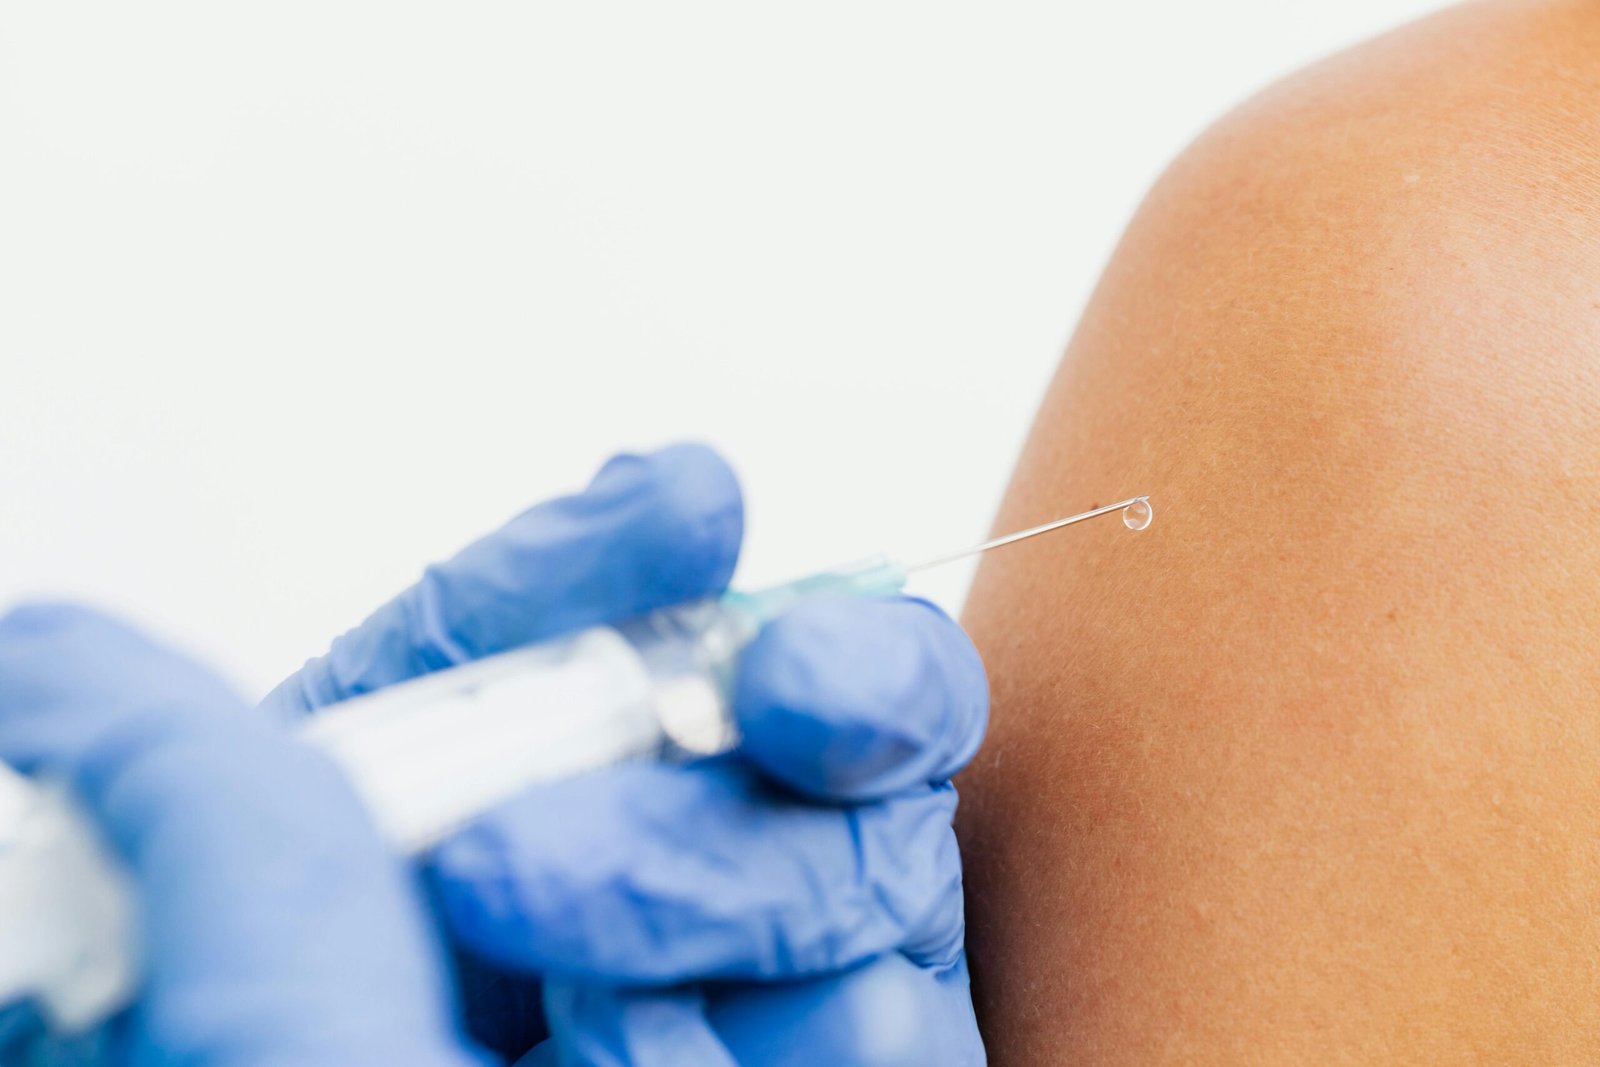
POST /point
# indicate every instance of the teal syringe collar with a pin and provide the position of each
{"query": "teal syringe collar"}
(874, 576)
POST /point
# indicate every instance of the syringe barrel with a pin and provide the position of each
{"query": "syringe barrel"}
(431, 754)
(425, 756)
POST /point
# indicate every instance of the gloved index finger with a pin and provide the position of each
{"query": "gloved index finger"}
(856, 699)
(649, 531)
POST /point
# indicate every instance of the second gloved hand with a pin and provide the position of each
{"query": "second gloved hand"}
(277, 928)
(797, 903)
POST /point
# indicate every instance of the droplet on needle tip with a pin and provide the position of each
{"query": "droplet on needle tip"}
(1137, 515)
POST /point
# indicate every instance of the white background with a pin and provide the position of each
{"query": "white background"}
(296, 297)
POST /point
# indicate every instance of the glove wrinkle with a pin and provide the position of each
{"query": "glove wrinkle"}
(428, 627)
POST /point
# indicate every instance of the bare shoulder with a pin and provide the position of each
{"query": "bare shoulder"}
(1310, 770)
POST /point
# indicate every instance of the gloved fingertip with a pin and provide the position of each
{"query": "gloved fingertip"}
(79, 689)
(56, 629)
(853, 699)
(696, 515)
(36, 617)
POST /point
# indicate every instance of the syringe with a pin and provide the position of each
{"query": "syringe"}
(429, 755)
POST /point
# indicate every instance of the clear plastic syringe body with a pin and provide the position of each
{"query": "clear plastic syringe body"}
(429, 755)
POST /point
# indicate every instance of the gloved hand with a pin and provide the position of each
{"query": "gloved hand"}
(799, 903)
(278, 930)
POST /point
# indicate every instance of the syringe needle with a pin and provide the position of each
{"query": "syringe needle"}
(1137, 516)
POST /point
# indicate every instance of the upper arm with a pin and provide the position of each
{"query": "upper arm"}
(1310, 770)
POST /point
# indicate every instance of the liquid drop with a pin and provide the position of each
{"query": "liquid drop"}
(1137, 515)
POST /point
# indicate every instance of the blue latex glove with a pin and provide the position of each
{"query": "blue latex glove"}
(799, 903)
(278, 930)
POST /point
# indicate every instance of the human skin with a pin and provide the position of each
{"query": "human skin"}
(1309, 771)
